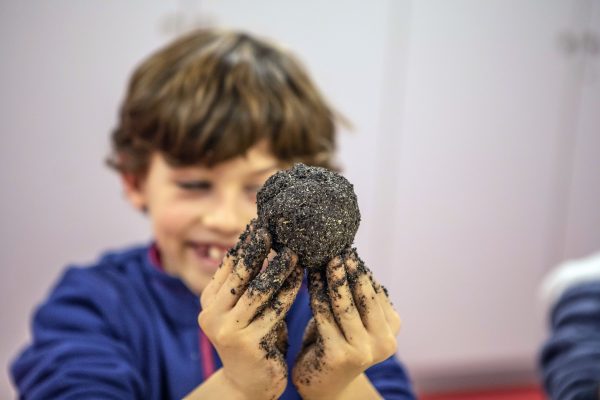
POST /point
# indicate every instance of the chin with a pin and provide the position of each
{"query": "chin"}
(197, 285)
(200, 278)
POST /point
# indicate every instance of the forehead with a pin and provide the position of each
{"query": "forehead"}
(258, 160)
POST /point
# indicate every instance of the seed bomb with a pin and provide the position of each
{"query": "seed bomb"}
(311, 210)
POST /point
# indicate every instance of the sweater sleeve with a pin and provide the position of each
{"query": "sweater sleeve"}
(75, 352)
(390, 380)
(570, 359)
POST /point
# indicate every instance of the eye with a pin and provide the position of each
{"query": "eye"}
(198, 186)
(252, 190)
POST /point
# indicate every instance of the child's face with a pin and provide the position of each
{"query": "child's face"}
(197, 213)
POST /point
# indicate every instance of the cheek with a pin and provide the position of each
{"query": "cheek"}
(173, 220)
(249, 209)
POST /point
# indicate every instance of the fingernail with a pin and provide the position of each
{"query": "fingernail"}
(336, 267)
(335, 262)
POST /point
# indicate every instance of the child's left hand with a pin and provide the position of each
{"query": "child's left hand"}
(357, 331)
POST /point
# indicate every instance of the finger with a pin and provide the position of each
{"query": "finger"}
(311, 353)
(274, 343)
(382, 296)
(309, 338)
(364, 294)
(224, 270)
(310, 333)
(280, 304)
(268, 282)
(282, 343)
(250, 259)
(321, 306)
(210, 291)
(342, 302)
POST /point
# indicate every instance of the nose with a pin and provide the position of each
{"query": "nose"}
(225, 217)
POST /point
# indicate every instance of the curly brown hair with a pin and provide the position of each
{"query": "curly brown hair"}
(211, 95)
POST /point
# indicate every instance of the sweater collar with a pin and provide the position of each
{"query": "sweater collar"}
(177, 302)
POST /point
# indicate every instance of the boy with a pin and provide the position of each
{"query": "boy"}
(205, 121)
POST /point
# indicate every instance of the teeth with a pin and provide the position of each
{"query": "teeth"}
(215, 253)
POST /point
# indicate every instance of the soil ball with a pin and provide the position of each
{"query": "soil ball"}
(311, 210)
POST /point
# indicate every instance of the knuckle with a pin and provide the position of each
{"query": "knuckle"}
(222, 338)
(204, 320)
(387, 346)
(204, 299)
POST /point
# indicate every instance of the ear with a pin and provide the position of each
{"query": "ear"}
(134, 189)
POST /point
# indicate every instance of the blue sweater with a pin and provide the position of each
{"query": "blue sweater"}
(570, 359)
(123, 329)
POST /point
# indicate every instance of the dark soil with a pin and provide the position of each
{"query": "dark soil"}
(311, 210)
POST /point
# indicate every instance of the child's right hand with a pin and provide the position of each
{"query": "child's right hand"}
(243, 311)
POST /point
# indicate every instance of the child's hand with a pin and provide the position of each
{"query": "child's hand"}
(354, 327)
(242, 315)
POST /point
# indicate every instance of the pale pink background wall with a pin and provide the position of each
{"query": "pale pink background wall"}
(472, 155)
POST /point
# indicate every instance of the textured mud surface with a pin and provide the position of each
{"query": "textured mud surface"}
(311, 210)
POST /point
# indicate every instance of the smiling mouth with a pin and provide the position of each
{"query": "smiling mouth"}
(209, 253)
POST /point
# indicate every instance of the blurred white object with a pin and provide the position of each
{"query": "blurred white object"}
(568, 274)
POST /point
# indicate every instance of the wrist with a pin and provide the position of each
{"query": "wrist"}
(217, 387)
(357, 388)
(234, 388)
(319, 392)
(251, 392)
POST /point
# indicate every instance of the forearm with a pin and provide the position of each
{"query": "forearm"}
(216, 387)
(359, 389)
